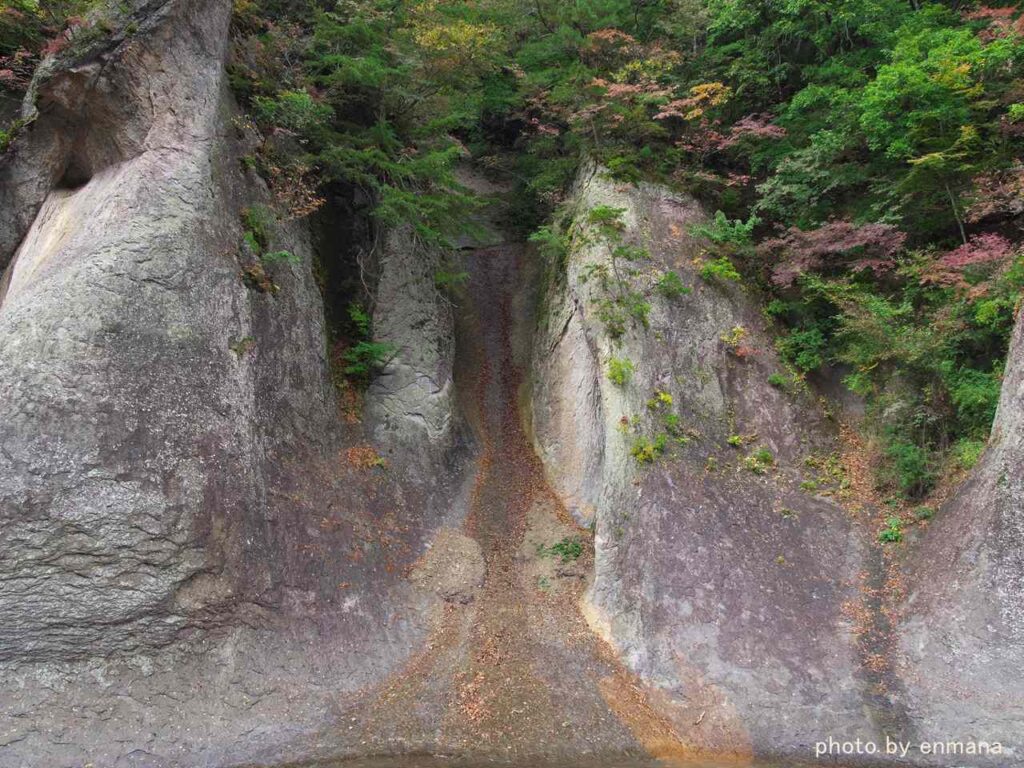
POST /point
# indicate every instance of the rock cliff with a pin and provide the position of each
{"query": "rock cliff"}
(185, 515)
(717, 578)
(962, 629)
(203, 563)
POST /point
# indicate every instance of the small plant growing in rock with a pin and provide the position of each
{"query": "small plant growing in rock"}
(760, 461)
(720, 269)
(257, 221)
(778, 381)
(622, 302)
(893, 531)
(365, 457)
(254, 276)
(671, 286)
(647, 451)
(660, 400)
(924, 513)
(630, 253)
(620, 371)
(735, 440)
(360, 319)
(365, 357)
(607, 219)
(553, 246)
(8, 134)
(674, 427)
(568, 549)
(711, 465)
(967, 452)
(639, 308)
(734, 337)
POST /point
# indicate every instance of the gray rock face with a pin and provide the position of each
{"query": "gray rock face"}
(182, 517)
(962, 632)
(721, 586)
(127, 446)
(410, 404)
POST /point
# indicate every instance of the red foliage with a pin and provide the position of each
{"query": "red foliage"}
(706, 137)
(703, 139)
(606, 43)
(1002, 22)
(56, 45)
(756, 126)
(985, 251)
(838, 243)
(998, 194)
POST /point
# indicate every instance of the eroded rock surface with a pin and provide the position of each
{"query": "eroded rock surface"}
(202, 565)
(721, 585)
(962, 633)
(198, 558)
(411, 403)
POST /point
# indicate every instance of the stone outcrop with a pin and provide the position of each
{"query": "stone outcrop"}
(185, 518)
(411, 403)
(722, 586)
(128, 443)
(768, 617)
(962, 632)
(202, 564)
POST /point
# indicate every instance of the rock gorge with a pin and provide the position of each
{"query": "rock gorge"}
(204, 564)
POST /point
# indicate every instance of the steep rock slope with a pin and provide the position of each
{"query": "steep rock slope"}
(716, 577)
(411, 403)
(962, 629)
(184, 516)
(128, 419)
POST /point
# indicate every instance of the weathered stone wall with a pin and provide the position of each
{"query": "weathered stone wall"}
(722, 587)
(962, 632)
(129, 455)
(410, 405)
(194, 568)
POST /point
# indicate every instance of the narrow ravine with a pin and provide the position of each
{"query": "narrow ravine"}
(515, 673)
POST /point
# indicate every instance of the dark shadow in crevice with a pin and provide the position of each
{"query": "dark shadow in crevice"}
(76, 175)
